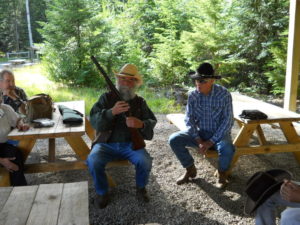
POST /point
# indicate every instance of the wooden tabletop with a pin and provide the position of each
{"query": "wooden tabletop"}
(46, 204)
(58, 130)
(274, 113)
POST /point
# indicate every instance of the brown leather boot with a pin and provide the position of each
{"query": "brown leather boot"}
(190, 172)
(102, 200)
(141, 195)
(222, 179)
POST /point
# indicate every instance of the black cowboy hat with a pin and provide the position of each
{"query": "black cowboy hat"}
(204, 71)
(262, 185)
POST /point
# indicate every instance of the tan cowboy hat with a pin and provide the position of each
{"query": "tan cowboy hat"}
(262, 185)
(130, 70)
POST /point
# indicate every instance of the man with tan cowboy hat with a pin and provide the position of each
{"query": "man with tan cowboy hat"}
(209, 118)
(113, 140)
(271, 189)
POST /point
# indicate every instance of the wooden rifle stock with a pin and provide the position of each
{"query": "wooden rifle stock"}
(136, 138)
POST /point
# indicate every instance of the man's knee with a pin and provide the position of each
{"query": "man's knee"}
(94, 161)
(175, 139)
(226, 148)
(290, 216)
(145, 161)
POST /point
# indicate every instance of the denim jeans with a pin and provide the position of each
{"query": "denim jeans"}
(103, 153)
(265, 214)
(13, 142)
(182, 139)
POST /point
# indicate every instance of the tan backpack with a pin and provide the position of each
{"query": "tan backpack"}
(39, 106)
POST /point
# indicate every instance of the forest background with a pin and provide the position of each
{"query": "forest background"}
(245, 40)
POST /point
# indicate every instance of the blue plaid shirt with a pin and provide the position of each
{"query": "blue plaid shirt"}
(209, 117)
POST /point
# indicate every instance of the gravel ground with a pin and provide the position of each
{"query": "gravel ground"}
(197, 202)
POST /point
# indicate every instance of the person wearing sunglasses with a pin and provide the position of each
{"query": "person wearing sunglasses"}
(209, 119)
(10, 156)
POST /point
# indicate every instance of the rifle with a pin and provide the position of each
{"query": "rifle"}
(136, 138)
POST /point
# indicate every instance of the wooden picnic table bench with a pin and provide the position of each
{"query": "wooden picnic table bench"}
(17, 61)
(73, 136)
(51, 204)
(277, 117)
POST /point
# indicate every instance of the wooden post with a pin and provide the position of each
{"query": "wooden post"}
(293, 57)
(51, 154)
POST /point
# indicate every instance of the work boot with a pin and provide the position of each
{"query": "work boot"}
(222, 179)
(141, 195)
(102, 200)
(190, 172)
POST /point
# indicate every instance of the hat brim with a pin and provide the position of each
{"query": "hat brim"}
(137, 77)
(251, 206)
(279, 175)
(197, 76)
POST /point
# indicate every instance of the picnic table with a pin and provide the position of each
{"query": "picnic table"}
(17, 61)
(48, 204)
(72, 134)
(278, 118)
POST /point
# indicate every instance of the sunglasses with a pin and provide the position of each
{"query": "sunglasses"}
(202, 81)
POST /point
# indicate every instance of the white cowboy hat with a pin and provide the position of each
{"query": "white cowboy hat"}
(130, 70)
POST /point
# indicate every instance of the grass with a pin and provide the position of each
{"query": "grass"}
(34, 80)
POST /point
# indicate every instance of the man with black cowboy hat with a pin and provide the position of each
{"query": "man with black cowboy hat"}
(268, 190)
(209, 118)
(113, 140)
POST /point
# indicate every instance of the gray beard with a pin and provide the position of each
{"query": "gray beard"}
(126, 92)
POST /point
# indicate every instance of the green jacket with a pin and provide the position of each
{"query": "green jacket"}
(111, 128)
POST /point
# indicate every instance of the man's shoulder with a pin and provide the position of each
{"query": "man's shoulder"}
(7, 108)
(140, 98)
(106, 95)
(219, 89)
(192, 92)
(21, 93)
(19, 89)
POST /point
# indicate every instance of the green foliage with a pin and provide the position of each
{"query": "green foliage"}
(164, 38)
(13, 25)
(259, 30)
(168, 65)
(212, 39)
(277, 66)
(71, 34)
(34, 80)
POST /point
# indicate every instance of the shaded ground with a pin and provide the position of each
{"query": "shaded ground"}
(198, 202)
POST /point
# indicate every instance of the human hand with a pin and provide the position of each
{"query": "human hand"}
(204, 146)
(10, 92)
(290, 191)
(134, 122)
(22, 126)
(120, 107)
(10, 166)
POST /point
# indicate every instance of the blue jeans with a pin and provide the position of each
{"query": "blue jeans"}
(265, 213)
(182, 139)
(103, 153)
(13, 142)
